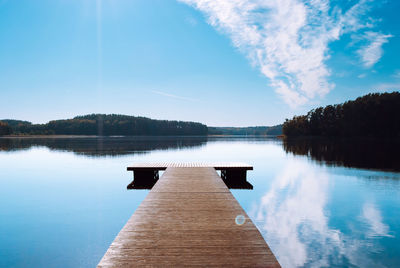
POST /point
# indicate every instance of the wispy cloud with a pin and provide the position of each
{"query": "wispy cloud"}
(372, 52)
(191, 20)
(396, 74)
(387, 86)
(287, 40)
(165, 94)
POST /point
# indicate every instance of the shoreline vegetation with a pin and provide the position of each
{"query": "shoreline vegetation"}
(114, 125)
(106, 125)
(372, 116)
(245, 131)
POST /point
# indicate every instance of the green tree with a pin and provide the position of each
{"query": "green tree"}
(5, 129)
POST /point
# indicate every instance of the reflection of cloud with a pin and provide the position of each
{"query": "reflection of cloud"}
(295, 203)
(291, 215)
(374, 219)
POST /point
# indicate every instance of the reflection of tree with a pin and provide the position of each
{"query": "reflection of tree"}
(98, 146)
(103, 146)
(359, 153)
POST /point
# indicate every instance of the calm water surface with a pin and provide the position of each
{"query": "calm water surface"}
(317, 203)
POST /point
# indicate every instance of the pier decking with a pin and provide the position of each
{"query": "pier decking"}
(189, 218)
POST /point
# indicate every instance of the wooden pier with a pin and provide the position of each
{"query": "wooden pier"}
(189, 218)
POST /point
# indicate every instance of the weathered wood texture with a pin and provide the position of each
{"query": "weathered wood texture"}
(188, 219)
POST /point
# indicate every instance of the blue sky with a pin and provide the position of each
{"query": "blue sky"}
(222, 63)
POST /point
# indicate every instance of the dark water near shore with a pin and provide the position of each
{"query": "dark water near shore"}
(317, 202)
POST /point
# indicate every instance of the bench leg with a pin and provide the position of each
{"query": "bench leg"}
(143, 179)
(235, 178)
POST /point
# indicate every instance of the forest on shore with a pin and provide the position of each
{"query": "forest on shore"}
(105, 125)
(246, 131)
(374, 115)
(5, 129)
(125, 125)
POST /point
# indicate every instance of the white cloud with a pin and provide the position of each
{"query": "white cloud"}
(362, 76)
(286, 39)
(372, 52)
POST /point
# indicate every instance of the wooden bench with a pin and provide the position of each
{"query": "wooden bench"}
(145, 175)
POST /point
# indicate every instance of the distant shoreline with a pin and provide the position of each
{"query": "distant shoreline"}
(123, 136)
(51, 136)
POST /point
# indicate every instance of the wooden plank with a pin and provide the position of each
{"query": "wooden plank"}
(188, 219)
(164, 165)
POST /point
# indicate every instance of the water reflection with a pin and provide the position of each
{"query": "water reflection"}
(359, 153)
(293, 217)
(103, 146)
(114, 146)
(310, 214)
(372, 216)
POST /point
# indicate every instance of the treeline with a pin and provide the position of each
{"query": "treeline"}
(108, 125)
(373, 115)
(246, 131)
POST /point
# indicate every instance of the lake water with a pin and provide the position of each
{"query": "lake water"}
(316, 202)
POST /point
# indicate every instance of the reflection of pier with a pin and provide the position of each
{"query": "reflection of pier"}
(145, 175)
(189, 218)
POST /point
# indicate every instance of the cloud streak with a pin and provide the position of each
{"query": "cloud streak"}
(165, 94)
(386, 87)
(288, 39)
